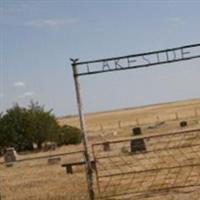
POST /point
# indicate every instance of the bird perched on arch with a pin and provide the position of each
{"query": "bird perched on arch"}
(74, 60)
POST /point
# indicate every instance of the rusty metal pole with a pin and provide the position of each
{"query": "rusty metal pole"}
(89, 171)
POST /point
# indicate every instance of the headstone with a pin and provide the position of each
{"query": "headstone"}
(106, 146)
(9, 155)
(183, 124)
(51, 147)
(69, 169)
(54, 160)
(137, 145)
(137, 131)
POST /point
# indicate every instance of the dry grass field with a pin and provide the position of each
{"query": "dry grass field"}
(38, 180)
(153, 119)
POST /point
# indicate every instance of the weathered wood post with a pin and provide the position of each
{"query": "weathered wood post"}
(177, 116)
(83, 131)
(158, 118)
(196, 112)
(101, 127)
(119, 124)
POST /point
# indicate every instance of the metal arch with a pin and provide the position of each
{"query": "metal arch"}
(135, 61)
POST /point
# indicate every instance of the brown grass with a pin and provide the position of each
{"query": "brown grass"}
(37, 180)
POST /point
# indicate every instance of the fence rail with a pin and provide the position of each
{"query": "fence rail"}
(47, 157)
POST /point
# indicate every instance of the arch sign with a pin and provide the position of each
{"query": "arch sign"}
(135, 61)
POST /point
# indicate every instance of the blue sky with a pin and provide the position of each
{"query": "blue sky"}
(38, 37)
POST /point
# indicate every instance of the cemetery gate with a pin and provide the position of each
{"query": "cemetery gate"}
(114, 168)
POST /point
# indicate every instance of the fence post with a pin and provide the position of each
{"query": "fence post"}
(158, 118)
(137, 122)
(101, 127)
(83, 131)
(176, 114)
(196, 112)
(119, 124)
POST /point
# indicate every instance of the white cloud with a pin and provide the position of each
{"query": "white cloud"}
(1, 95)
(52, 23)
(27, 95)
(19, 84)
(176, 20)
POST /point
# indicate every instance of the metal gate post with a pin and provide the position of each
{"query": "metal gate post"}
(89, 171)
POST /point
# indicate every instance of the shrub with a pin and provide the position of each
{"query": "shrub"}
(69, 135)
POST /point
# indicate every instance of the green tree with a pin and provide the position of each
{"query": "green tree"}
(43, 125)
(22, 127)
(1, 134)
(13, 129)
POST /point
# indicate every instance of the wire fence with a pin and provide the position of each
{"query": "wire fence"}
(149, 118)
(140, 167)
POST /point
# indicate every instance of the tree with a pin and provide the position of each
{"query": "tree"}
(22, 127)
(43, 125)
(14, 130)
(1, 134)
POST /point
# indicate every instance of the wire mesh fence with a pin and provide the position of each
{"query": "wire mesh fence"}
(144, 166)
